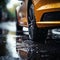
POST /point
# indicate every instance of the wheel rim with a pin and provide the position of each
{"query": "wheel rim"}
(31, 21)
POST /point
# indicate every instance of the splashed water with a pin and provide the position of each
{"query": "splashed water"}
(10, 38)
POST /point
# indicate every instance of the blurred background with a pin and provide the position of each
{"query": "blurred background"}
(8, 30)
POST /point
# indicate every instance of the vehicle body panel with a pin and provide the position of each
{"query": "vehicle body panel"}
(41, 7)
(44, 6)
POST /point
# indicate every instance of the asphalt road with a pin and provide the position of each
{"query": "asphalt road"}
(24, 45)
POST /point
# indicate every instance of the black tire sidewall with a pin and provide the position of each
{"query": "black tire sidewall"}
(39, 34)
(34, 24)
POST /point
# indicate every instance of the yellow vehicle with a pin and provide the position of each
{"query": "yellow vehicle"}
(41, 15)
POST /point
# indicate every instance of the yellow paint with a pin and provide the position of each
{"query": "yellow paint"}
(41, 7)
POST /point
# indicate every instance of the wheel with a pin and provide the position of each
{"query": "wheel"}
(35, 34)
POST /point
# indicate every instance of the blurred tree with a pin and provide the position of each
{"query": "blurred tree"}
(3, 3)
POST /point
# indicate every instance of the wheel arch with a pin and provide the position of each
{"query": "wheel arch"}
(28, 5)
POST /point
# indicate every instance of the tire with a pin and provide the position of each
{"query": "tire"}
(35, 34)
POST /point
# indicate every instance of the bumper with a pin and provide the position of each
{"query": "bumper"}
(47, 24)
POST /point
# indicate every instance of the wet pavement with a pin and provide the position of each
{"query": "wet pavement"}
(27, 48)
